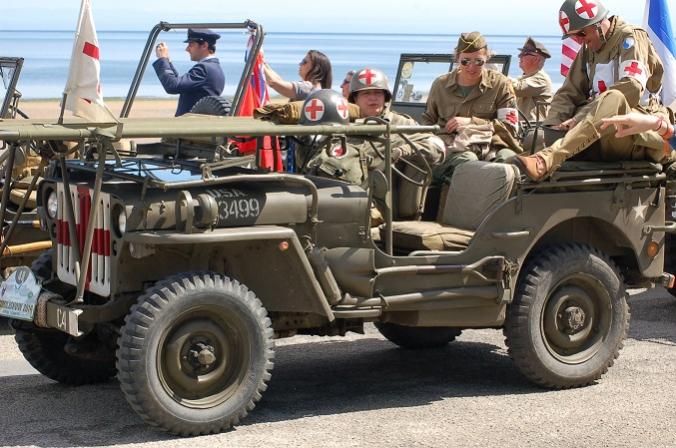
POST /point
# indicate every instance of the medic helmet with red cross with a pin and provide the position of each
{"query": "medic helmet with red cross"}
(369, 79)
(577, 14)
(325, 106)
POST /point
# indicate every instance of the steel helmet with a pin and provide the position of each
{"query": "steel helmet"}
(325, 106)
(577, 14)
(369, 79)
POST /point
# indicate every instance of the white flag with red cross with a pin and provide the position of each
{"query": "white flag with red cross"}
(83, 87)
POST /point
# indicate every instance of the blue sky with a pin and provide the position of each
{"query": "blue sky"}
(535, 17)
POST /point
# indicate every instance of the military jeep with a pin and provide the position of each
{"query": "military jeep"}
(177, 273)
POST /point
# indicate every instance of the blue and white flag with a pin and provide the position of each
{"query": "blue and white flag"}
(658, 24)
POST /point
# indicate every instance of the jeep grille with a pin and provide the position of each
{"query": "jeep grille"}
(98, 274)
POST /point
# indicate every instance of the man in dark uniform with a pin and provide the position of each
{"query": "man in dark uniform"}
(204, 79)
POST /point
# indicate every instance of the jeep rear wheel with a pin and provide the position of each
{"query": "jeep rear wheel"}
(417, 337)
(569, 317)
(195, 353)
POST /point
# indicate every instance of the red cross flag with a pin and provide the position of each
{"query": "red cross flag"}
(83, 88)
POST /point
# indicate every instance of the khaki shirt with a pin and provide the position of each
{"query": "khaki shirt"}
(626, 62)
(362, 154)
(531, 91)
(493, 101)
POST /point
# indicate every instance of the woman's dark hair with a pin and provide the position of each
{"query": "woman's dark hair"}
(321, 69)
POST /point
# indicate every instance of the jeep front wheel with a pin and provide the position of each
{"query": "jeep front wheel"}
(195, 353)
(569, 317)
(417, 337)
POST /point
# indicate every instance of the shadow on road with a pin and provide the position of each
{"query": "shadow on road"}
(653, 316)
(317, 378)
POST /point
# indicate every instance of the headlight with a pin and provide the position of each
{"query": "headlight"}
(52, 205)
(120, 221)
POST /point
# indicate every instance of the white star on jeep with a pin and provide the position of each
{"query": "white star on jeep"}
(639, 210)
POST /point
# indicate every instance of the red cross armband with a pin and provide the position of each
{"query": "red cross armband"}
(510, 116)
(631, 68)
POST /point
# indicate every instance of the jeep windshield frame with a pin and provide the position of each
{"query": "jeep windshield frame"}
(253, 27)
(10, 69)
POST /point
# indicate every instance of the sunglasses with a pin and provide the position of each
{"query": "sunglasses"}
(345, 81)
(581, 33)
(304, 61)
(478, 62)
(527, 53)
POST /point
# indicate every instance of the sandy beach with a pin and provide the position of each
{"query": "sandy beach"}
(142, 107)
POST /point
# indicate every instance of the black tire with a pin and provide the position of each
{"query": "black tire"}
(42, 266)
(670, 258)
(212, 105)
(44, 350)
(569, 317)
(180, 319)
(417, 337)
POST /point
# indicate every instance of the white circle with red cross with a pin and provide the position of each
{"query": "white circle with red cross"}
(343, 109)
(368, 77)
(314, 109)
(338, 152)
(586, 9)
(564, 22)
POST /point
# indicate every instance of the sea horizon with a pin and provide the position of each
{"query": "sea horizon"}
(47, 54)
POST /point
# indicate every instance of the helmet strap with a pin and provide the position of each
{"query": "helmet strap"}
(599, 30)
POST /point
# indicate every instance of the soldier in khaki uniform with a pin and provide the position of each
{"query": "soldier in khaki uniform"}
(475, 106)
(534, 87)
(617, 71)
(352, 162)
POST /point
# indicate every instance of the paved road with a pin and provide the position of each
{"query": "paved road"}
(361, 391)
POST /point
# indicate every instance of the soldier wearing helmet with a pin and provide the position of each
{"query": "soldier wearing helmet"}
(616, 71)
(370, 90)
(475, 106)
(352, 158)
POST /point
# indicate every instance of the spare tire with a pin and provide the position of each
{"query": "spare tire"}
(212, 105)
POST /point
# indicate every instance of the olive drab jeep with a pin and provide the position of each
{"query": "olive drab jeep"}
(176, 272)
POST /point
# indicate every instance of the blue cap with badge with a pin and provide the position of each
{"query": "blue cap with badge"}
(202, 35)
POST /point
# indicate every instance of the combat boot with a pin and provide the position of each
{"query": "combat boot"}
(532, 166)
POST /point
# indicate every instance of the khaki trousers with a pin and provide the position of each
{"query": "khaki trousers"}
(608, 148)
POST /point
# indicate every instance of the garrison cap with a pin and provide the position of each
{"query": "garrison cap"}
(470, 42)
(533, 46)
(202, 35)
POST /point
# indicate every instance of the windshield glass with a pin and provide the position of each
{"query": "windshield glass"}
(8, 73)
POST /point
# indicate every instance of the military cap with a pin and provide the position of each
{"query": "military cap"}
(533, 46)
(202, 35)
(470, 42)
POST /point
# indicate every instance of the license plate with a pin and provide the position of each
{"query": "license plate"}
(19, 295)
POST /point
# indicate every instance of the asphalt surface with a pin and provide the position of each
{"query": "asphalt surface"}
(362, 391)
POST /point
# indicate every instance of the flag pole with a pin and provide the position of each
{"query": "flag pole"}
(63, 107)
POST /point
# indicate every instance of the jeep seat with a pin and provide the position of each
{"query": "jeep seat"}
(476, 189)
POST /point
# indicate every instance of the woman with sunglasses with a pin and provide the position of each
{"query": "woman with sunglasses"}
(617, 71)
(475, 106)
(315, 73)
